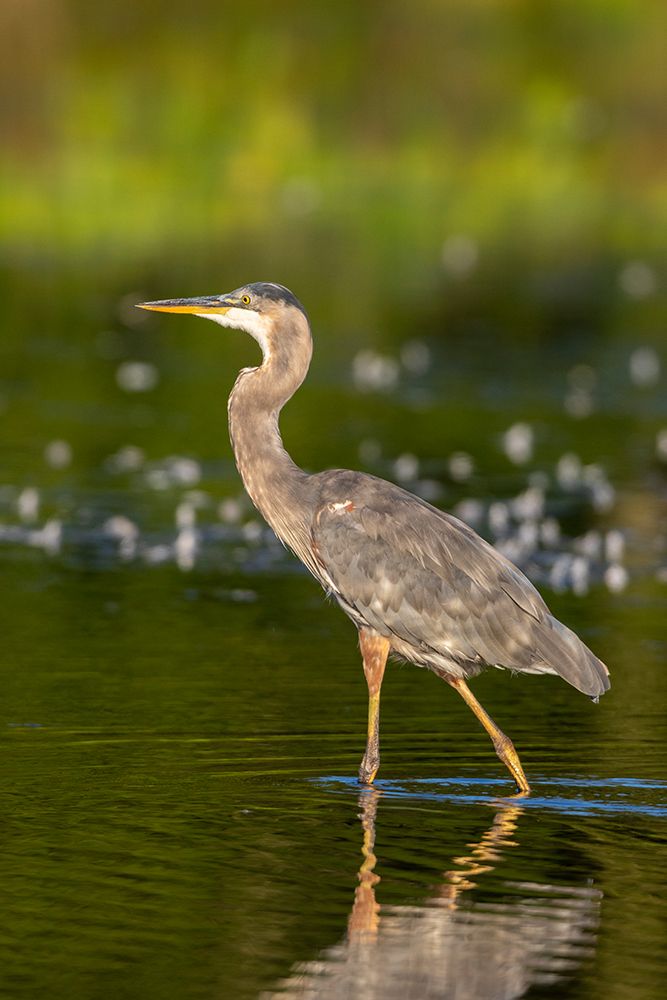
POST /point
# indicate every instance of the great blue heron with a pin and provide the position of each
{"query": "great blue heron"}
(417, 582)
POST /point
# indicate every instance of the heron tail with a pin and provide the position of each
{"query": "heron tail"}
(568, 657)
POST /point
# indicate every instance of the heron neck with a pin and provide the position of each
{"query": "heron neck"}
(276, 485)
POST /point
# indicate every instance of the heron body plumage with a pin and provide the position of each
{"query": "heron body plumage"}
(444, 597)
(416, 581)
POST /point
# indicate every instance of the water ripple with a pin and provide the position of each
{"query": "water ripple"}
(606, 795)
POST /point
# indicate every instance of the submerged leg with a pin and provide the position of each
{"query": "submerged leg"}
(502, 744)
(374, 650)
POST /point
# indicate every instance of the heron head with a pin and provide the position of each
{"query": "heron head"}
(261, 309)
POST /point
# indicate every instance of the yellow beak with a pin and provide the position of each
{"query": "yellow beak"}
(205, 304)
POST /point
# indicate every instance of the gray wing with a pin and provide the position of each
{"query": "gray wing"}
(423, 577)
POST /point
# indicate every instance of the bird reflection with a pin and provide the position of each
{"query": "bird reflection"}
(452, 945)
(365, 916)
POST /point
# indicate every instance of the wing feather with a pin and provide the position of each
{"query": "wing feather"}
(419, 574)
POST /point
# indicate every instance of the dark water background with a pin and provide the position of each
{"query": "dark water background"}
(183, 714)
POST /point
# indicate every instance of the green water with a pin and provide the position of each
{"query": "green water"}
(179, 810)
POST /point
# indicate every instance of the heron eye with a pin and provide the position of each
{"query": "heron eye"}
(245, 299)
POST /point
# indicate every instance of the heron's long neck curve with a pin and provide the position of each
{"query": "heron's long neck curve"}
(276, 485)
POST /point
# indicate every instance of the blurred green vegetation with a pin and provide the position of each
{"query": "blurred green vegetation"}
(337, 147)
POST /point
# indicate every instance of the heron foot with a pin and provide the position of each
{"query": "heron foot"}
(507, 753)
(369, 768)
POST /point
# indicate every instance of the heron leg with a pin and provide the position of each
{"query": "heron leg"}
(502, 744)
(374, 650)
